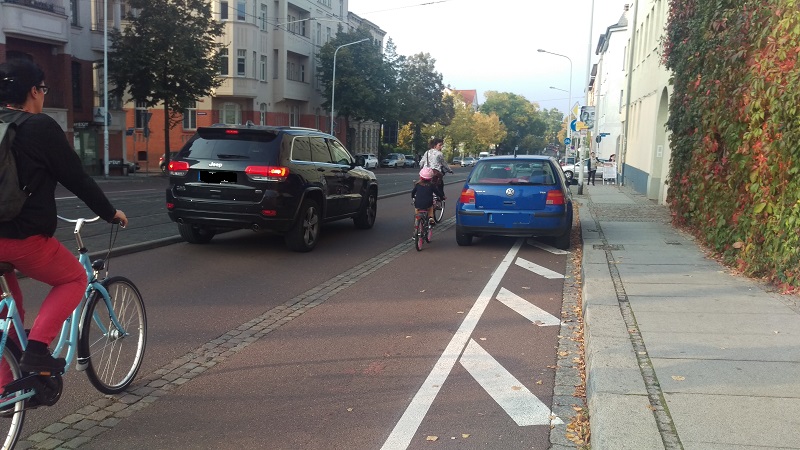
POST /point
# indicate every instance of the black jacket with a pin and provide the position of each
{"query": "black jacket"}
(423, 194)
(44, 158)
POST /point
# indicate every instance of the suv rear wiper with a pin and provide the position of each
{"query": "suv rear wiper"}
(226, 156)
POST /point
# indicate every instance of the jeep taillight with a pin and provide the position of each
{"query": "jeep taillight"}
(555, 197)
(178, 168)
(467, 196)
(267, 173)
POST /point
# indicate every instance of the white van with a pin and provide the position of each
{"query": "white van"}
(483, 155)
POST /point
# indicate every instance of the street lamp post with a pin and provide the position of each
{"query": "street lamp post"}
(566, 119)
(580, 176)
(105, 88)
(333, 81)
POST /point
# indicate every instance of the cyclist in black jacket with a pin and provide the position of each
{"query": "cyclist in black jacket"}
(423, 191)
(44, 158)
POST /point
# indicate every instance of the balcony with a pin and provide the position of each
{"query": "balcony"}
(238, 87)
(38, 19)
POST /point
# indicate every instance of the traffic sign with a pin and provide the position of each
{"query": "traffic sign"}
(573, 124)
(567, 141)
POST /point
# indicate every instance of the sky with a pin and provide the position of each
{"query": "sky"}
(494, 48)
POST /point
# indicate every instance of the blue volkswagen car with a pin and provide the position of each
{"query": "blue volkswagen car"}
(515, 196)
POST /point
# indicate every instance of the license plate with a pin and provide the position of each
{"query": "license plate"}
(217, 177)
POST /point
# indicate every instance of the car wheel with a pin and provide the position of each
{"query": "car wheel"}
(463, 239)
(163, 168)
(366, 215)
(569, 175)
(194, 234)
(303, 235)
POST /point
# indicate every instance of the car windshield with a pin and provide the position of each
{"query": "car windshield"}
(513, 172)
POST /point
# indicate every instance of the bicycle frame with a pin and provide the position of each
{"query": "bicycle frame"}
(72, 328)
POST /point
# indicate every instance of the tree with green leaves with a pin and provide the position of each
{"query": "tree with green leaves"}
(362, 79)
(522, 119)
(422, 99)
(167, 55)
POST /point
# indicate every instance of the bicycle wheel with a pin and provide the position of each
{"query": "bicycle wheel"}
(438, 212)
(113, 357)
(13, 415)
(428, 234)
(418, 237)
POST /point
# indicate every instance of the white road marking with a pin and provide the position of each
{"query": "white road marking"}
(537, 269)
(407, 426)
(547, 248)
(527, 309)
(520, 403)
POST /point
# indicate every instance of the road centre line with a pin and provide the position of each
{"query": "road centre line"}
(407, 426)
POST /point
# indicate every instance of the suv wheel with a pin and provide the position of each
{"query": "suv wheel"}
(366, 215)
(302, 237)
(194, 234)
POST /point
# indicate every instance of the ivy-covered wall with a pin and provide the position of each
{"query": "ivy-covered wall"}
(735, 123)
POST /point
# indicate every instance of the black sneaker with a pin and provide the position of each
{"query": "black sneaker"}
(39, 363)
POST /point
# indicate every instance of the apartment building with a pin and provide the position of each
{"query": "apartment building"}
(269, 72)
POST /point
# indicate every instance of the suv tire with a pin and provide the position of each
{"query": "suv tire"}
(194, 234)
(304, 234)
(366, 215)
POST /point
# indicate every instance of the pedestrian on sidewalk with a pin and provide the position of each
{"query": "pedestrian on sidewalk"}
(592, 168)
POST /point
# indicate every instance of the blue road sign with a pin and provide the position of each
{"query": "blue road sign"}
(567, 141)
(573, 125)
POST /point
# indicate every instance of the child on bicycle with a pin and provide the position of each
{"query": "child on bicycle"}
(44, 159)
(423, 192)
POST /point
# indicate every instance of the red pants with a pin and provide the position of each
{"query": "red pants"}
(46, 260)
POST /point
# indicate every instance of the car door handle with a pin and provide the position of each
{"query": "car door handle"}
(320, 169)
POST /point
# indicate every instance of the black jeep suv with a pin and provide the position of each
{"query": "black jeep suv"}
(283, 179)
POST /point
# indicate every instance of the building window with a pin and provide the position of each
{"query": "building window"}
(302, 28)
(224, 63)
(263, 68)
(255, 65)
(294, 116)
(223, 10)
(262, 114)
(319, 33)
(140, 117)
(241, 55)
(73, 6)
(263, 17)
(303, 73)
(230, 114)
(241, 11)
(324, 2)
(275, 64)
(190, 118)
(77, 97)
(328, 34)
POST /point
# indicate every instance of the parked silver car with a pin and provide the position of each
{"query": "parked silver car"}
(370, 160)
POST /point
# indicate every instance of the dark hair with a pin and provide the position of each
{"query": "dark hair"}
(435, 141)
(17, 77)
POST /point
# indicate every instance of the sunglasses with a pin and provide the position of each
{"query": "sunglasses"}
(44, 89)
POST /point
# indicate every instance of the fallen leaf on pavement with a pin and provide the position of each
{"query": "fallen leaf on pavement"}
(464, 435)
(678, 378)
(432, 438)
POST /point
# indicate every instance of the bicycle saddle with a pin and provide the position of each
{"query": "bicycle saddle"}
(6, 267)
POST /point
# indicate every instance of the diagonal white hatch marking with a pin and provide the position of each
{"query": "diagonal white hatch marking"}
(519, 403)
(527, 309)
(537, 269)
(547, 248)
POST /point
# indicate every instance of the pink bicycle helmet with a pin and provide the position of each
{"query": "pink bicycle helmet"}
(426, 173)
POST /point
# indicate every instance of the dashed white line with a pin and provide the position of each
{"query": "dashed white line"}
(537, 269)
(527, 309)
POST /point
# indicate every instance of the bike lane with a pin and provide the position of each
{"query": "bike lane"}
(339, 371)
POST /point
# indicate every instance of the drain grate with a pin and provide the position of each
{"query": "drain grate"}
(610, 247)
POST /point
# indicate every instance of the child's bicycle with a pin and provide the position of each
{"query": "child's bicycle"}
(107, 332)
(422, 228)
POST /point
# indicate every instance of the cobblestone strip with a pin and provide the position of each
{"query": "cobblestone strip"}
(568, 377)
(83, 425)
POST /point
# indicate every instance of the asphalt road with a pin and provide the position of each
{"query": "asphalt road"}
(362, 343)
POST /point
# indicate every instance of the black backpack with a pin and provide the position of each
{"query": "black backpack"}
(13, 193)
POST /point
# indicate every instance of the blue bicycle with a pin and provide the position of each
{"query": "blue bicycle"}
(107, 333)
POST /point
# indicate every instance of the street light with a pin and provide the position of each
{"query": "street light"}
(333, 81)
(105, 88)
(580, 177)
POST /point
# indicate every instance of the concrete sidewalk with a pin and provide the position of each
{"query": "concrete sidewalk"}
(679, 352)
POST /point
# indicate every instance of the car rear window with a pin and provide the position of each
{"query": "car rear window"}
(513, 172)
(232, 144)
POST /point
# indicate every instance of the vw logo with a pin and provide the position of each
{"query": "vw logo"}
(510, 192)
(214, 164)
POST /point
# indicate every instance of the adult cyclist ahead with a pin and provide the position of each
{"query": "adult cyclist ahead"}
(434, 160)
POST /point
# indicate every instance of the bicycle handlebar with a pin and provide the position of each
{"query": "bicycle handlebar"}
(79, 223)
